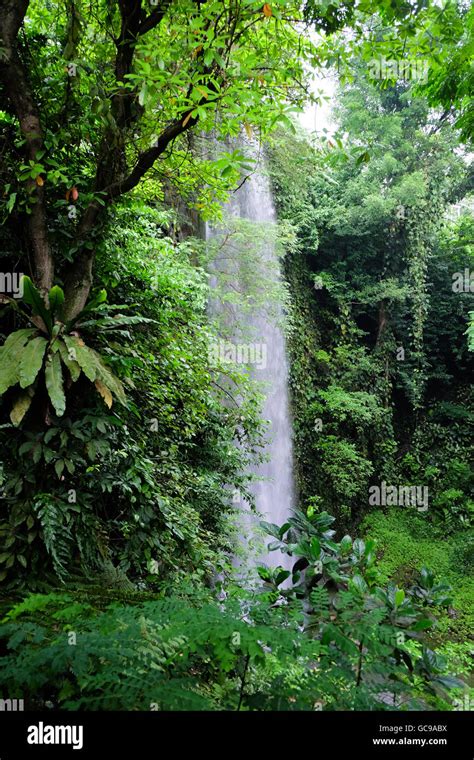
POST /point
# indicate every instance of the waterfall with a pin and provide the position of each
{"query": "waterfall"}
(266, 355)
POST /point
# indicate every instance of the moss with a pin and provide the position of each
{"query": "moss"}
(405, 542)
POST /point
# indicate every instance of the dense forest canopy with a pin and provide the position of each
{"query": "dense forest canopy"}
(95, 98)
(131, 442)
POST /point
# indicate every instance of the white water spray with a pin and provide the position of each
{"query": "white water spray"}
(274, 490)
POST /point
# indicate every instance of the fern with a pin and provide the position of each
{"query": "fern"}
(333, 641)
(55, 522)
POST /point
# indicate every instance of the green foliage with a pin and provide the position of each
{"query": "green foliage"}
(439, 457)
(136, 496)
(379, 351)
(407, 542)
(470, 331)
(138, 492)
(26, 353)
(372, 272)
(10, 369)
(332, 640)
(451, 76)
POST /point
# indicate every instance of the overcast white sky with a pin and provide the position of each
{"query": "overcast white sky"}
(314, 117)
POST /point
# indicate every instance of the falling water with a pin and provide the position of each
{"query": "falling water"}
(273, 489)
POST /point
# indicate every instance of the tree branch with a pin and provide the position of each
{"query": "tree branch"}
(109, 183)
(133, 27)
(12, 14)
(148, 158)
(154, 18)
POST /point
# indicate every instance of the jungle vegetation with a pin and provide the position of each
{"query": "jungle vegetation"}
(123, 126)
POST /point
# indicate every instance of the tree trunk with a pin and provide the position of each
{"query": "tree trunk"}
(111, 178)
(78, 285)
(17, 89)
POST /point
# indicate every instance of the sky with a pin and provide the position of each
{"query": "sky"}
(318, 117)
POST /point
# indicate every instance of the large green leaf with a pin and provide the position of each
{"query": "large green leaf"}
(10, 354)
(56, 298)
(54, 383)
(346, 544)
(399, 597)
(31, 360)
(111, 381)
(270, 528)
(32, 296)
(73, 367)
(359, 583)
(79, 352)
(94, 366)
(315, 548)
(111, 323)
